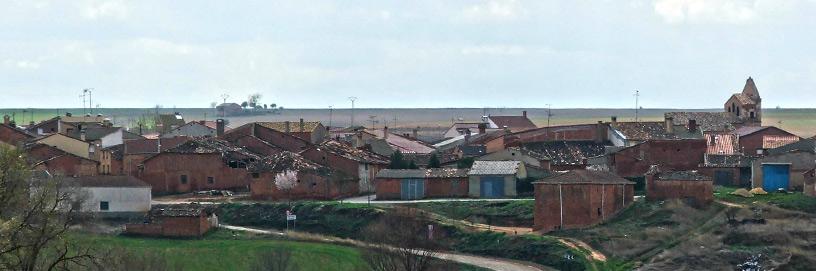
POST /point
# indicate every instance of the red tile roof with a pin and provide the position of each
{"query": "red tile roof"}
(774, 141)
(722, 143)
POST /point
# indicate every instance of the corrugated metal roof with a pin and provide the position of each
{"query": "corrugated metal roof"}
(422, 173)
(494, 168)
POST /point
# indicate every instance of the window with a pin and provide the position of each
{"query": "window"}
(104, 206)
(183, 179)
(752, 115)
(366, 166)
(210, 180)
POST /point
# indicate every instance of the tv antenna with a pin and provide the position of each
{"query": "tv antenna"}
(637, 108)
(352, 99)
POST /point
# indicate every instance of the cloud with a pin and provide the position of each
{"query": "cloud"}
(22, 64)
(706, 11)
(94, 10)
(496, 50)
(493, 10)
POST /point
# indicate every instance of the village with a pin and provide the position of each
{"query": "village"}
(190, 178)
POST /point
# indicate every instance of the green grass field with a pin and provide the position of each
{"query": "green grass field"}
(219, 250)
(792, 201)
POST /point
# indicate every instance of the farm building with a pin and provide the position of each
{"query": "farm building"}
(269, 136)
(393, 142)
(311, 131)
(596, 133)
(351, 161)
(134, 152)
(11, 136)
(537, 164)
(114, 196)
(495, 179)
(579, 198)
(409, 184)
(810, 183)
(724, 162)
(198, 164)
(310, 180)
(784, 167)
(568, 155)
(229, 109)
(690, 186)
(68, 124)
(199, 128)
(677, 154)
(186, 221)
(512, 123)
(57, 161)
(99, 137)
(753, 139)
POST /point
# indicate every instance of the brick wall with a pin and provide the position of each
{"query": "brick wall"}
(163, 172)
(310, 186)
(256, 145)
(699, 193)
(195, 226)
(387, 188)
(69, 165)
(751, 143)
(678, 155)
(583, 205)
(584, 132)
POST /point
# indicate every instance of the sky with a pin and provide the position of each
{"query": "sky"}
(420, 53)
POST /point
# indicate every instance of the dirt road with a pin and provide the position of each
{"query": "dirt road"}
(485, 262)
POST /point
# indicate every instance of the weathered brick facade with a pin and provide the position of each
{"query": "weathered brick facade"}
(689, 186)
(283, 140)
(165, 171)
(455, 187)
(172, 226)
(750, 143)
(682, 154)
(579, 205)
(309, 186)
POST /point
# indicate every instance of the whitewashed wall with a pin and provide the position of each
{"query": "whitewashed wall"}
(120, 199)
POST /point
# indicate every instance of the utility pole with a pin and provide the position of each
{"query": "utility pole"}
(84, 110)
(549, 114)
(223, 108)
(352, 99)
(637, 108)
(330, 116)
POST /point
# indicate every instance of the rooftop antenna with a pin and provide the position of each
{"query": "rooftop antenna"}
(352, 99)
(549, 114)
(637, 108)
(84, 110)
(89, 92)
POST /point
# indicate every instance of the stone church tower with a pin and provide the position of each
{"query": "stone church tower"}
(747, 105)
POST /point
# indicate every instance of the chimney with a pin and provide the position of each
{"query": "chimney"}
(692, 126)
(219, 128)
(82, 135)
(467, 137)
(302, 126)
(415, 132)
(600, 132)
(482, 128)
(385, 132)
(359, 140)
(287, 127)
(524, 113)
(614, 119)
(6, 119)
(669, 125)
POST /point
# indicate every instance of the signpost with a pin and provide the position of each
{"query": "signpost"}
(291, 217)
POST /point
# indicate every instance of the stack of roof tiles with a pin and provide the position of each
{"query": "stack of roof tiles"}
(568, 152)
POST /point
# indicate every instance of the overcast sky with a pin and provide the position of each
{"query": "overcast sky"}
(313, 54)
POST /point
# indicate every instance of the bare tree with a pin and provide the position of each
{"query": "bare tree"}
(286, 181)
(402, 242)
(35, 216)
(254, 99)
(278, 259)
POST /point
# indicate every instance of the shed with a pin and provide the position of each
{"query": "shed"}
(191, 220)
(579, 198)
(409, 184)
(689, 185)
(784, 167)
(114, 196)
(495, 179)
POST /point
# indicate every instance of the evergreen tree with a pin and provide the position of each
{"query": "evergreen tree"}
(397, 161)
(412, 165)
(433, 162)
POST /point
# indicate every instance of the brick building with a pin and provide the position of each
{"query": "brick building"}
(784, 167)
(185, 221)
(752, 138)
(746, 105)
(283, 140)
(134, 152)
(198, 164)
(57, 161)
(579, 198)
(409, 184)
(583, 132)
(495, 179)
(694, 188)
(314, 181)
(342, 157)
(312, 131)
(11, 136)
(634, 161)
(724, 162)
(512, 123)
(568, 155)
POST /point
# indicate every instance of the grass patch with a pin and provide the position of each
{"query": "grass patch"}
(792, 201)
(223, 250)
(508, 213)
(539, 249)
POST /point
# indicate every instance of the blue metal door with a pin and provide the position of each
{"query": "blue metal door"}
(412, 189)
(492, 187)
(775, 177)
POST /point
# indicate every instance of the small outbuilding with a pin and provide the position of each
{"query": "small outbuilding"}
(691, 186)
(495, 179)
(185, 221)
(409, 184)
(579, 198)
(114, 196)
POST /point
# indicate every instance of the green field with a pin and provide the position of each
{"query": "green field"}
(221, 251)
(792, 201)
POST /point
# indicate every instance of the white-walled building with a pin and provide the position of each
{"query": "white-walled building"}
(114, 195)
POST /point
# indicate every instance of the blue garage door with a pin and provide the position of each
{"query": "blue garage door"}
(492, 187)
(412, 189)
(775, 177)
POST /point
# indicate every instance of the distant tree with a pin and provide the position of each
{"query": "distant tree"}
(244, 104)
(433, 162)
(466, 162)
(286, 181)
(412, 165)
(254, 99)
(265, 106)
(213, 104)
(397, 161)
